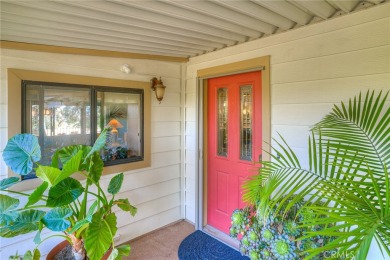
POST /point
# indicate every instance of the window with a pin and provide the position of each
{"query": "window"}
(15, 77)
(66, 114)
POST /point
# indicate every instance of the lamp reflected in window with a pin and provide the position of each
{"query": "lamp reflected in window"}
(114, 125)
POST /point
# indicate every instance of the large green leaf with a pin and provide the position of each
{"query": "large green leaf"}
(71, 166)
(68, 152)
(65, 192)
(360, 127)
(95, 168)
(100, 235)
(7, 207)
(115, 184)
(56, 219)
(8, 182)
(48, 174)
(26, 222)
(37, 194)
(21, 152)
(99, 143)
(125, 205)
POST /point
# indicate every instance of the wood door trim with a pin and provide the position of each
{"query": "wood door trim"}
(256, 64)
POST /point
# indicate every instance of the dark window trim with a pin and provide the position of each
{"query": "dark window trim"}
(93, 96)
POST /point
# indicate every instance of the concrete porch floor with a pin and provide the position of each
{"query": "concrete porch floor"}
(161, 244)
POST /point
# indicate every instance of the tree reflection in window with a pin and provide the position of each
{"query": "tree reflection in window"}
(62, 114)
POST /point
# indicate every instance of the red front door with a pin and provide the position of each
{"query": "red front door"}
(234, 142)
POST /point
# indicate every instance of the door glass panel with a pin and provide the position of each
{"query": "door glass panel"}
(222, 122)
(246, 123)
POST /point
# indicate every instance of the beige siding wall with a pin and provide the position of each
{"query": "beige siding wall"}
(312, 68)
(155, 190)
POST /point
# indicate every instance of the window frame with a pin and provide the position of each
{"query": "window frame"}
(15, 100)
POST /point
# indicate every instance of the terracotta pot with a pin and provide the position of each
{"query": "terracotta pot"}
(62, 245)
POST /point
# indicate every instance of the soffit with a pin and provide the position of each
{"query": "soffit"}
(172, 28)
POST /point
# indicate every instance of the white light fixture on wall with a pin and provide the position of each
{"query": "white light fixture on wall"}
(125, 68)
(158, 87)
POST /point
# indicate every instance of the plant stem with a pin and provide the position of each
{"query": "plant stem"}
(64, 236)
(16, 192)
(104, 198)
(36, 207)
(98, 196)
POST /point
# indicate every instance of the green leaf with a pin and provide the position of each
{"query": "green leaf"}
(26, 222)
(99, 143)
(68, 152)
(113, 255)
(71, 166)
(96, 168)
(21, 152)
(125, 205)
(79, 224)
(123, 250)
(8, 182)
(64, 192)
(91, 210)
(7, 205)
(87, 220)
(28, 255)
(115, 184)
(55, 219)
(37, 194)
(48, 174)
(100, 235)
(36, 255)
(37, 238)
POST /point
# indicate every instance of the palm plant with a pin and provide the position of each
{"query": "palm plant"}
(347, 179)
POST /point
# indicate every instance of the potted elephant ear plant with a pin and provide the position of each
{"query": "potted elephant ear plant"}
(82, 211)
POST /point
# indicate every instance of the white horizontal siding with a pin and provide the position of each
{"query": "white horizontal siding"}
(156, 191)
(312, 68)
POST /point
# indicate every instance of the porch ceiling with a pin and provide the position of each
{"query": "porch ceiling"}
(175, 28)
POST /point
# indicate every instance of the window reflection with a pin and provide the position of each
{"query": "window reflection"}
(63, 119)
(121, 113)
(62, 114)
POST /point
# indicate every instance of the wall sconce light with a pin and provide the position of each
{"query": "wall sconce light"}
(158, 87)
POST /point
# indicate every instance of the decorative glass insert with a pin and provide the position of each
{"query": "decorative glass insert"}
(222, 134)
(246, 123)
